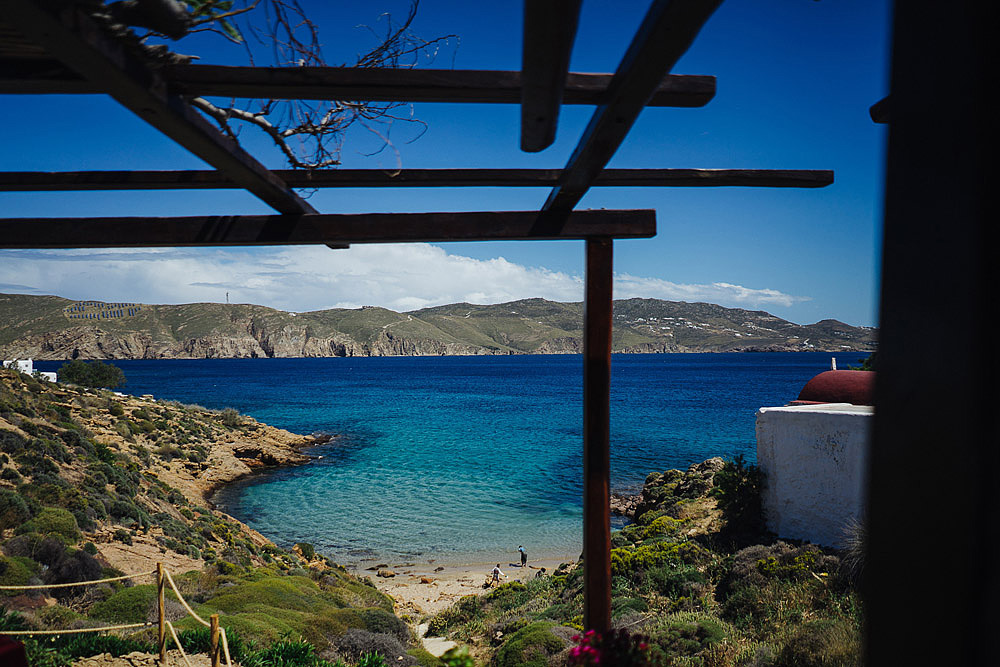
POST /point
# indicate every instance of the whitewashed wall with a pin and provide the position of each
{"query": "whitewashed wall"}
(814, 459)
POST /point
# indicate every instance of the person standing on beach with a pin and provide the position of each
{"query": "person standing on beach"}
(524, 556)
(497, 574)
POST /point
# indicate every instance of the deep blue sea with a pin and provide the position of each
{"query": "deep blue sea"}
(461, 459)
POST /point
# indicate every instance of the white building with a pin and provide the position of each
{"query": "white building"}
(814, 458)
(27, 366)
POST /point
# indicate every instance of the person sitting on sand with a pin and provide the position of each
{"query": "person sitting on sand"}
(539, 574)
(497, 574)
(524, 556)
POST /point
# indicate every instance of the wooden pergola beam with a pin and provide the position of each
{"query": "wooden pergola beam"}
(75, 40)
(549, 33)
(40, 181)
(244, 230)
(410, 85)
(346, 83)
(35, 76)
(667, 31)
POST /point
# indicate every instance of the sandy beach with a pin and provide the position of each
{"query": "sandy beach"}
(426, 588)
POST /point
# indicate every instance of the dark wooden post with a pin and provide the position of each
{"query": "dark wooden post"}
(214, 638)
(161, 635)
(596, 436)
(935, 453)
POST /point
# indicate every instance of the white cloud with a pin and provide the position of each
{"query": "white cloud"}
(725, 294)
(397, 276)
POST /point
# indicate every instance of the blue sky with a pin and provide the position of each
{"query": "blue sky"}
(795, 80)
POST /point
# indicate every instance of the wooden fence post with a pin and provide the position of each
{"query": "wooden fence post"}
(161, 614)
(214, 620)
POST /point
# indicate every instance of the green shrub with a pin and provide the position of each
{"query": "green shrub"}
(437, 626)
(115, 408)
(673, 580)
(83, 646)
(379, 621)
(124, 428)
(128, 605)
(11, 442)
(686, 634)
(53, 521)
(17, 571)
(425, 658)
(372, 660)
(307, 550)
(231, 418)
(458, 656)
(822, 643)
(531, 646)
(620, 606)
(737, 488)
(93, 374)
(56, 617)
(14, 510)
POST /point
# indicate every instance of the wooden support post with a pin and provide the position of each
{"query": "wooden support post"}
(161, 634)
(596, 436)
(214, 639)
(934, 453)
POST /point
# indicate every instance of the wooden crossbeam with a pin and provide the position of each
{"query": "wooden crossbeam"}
(76, 41)
(40, 181)
(346, 83)
(667, 31)
(410, 85)
(243, 230)
(549, 32)
(32, 76)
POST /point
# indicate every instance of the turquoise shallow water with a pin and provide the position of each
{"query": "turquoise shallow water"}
(461, 459)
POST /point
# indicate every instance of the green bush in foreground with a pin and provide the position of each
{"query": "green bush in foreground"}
(129, 605)
(531, 646)
(822, 643)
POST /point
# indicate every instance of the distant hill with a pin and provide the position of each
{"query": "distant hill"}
(49, 327)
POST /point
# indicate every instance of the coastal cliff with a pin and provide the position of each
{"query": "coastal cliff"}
(55, 328)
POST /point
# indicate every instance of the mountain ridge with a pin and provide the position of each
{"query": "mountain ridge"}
(53, 328)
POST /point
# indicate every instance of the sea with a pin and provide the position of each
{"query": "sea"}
(463, 459)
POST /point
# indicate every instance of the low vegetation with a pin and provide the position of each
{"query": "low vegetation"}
(695, 581)
(68, 496)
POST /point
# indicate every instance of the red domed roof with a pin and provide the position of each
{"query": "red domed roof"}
(856, 387)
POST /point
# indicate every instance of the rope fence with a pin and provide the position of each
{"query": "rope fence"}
(76, 631)
(76, 583)
(218, 642)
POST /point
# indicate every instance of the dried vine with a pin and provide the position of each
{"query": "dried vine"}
(310, 134)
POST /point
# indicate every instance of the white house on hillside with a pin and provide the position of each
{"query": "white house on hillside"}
(28, 366)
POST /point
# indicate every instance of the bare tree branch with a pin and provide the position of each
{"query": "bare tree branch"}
(310, 134)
